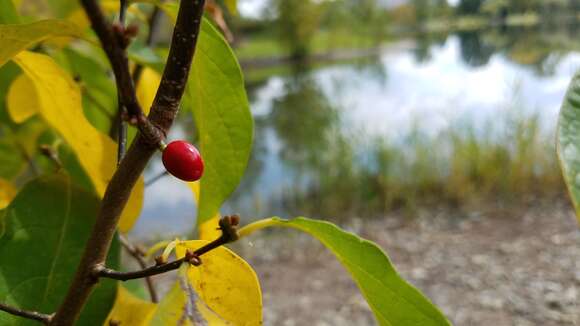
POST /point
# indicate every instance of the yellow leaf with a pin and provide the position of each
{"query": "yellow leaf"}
(21, 101)
(15, 38)
(130, 310)
(147, 88)
(226, 284)
(183, 306)
(7, 193)
(175, 308)
(60, 105)
(208, 230)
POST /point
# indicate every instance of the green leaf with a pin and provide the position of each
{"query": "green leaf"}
(568, 143)
(216, 94)
(46, 227)
(18, 144)
(62, 8)
(11, 160)
(15, 38)
(391, 298)
(8, 13)
(8, 73)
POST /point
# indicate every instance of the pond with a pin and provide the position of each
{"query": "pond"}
(451, 114)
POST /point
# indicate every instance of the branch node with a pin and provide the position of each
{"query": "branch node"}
(192, 258)
(159, 260)
(52, 155)
(97, 270)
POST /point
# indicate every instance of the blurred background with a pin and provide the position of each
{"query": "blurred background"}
(427, 126)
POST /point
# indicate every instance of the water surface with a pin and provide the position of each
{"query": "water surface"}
(325, 121)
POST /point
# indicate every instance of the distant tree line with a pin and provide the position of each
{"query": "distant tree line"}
(296, 22)
(506, 7)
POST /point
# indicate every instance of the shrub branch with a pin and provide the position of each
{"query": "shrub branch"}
(163, 112)
(229, 234)
(102, 271)
(43, 318)
(138, 254)
(113, 41)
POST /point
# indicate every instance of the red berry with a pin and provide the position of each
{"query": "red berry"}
(183, 160)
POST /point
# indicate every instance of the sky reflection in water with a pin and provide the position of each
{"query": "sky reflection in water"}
(386, 97)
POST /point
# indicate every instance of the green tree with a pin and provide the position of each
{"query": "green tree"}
(296, 24)
(469, 7)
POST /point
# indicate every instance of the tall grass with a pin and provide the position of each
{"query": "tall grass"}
(511, 160)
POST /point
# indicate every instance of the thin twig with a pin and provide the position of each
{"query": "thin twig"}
(102, 271)
(121, 110)
(121, 134)
(229, 234)
(138, 254)
(153, 24)
(28, 158)
(43, 318)
(122, 11)
(51, 154)
(163, 112)
(156, 178)
(114, 43)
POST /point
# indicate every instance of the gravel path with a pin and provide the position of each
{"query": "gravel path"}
(502, 267)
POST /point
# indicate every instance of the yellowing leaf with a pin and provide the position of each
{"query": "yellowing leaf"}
(22, 101)
(15, 38)
(60, 105)
(226, 283)
(7, 193)
(79, 18)
(232, 6)
(207, 230)
(130, 310)
(147, 87)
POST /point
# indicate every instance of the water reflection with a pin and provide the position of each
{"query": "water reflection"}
(474, 51)
(459, 116)
(340, 132)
